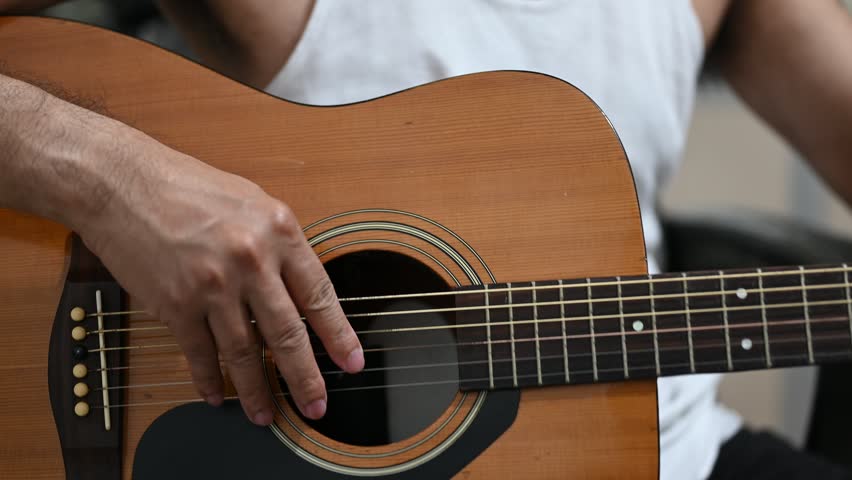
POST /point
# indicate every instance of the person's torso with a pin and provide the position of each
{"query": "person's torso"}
(638, 60)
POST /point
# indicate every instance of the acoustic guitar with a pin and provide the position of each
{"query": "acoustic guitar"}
(484, 236)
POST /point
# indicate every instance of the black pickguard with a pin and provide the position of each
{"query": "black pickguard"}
(199, 441)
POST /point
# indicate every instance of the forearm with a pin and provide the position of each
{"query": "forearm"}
(58, 160)
(791, 61)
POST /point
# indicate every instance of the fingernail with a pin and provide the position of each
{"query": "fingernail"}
(215, 399)
(263, 418)
(316, 409)
(355, 361)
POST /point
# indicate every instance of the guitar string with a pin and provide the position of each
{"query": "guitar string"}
(537, 287)
(598, 354)
(477, 308)
(541, 321)
(565, 337)
(484, 379)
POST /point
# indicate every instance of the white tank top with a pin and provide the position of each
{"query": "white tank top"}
(637, 59)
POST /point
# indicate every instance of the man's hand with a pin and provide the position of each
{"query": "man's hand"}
(205, 251)
(202, 249)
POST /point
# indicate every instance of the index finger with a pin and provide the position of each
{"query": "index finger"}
(314, 294)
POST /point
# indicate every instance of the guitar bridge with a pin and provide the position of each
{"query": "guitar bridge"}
(84, 360)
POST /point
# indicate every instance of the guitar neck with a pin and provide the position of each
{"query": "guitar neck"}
(618, 328)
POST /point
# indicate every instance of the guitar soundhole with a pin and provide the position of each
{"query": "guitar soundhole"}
(410, 377)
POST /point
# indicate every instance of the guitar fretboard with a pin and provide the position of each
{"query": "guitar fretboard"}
(618, 328)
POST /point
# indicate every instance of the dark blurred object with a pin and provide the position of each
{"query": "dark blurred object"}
(744, 241)
(137, 18)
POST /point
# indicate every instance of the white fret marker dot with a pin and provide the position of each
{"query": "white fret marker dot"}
(746, 344)
(741, 293)
(638, 326)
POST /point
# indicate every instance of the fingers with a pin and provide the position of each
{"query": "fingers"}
(241, 354)
(198, 346)
(314, 293)
(287, 338)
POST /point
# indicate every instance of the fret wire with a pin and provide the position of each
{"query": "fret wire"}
(488, 336)
(564, 333)
(512, 337)
(654, 326)
(592, 328)
(807, 315)
(848, 299)
(725, 319)
(535, 331)
(688, 323)
(764, 320)
(623, 336)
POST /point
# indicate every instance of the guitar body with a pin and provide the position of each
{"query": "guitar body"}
(480, 178)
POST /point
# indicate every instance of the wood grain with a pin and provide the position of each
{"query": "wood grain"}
(517, 164)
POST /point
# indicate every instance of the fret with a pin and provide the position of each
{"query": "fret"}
(501, 344)
(605, 327)
(671, 327)
(786, 327)
(488, 336)
(623, 334)
(592, 329)
(825, 294)
(564, 334)
(705, 309)
(525, 340)
(636, 305)
(725, 320)
(688, 323)
(654, 325)
(537, 343)
(512, 336)
(745, 325)
(550, 334)
(473, 347)
(578, 331)
(766, 346)
(807, 316)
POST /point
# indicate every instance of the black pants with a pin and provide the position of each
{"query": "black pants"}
(761, 456)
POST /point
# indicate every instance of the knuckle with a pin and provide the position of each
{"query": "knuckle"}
(283, 221)
(311, 387)
(343, 337)
(322, 297)
(209, 276)
(291, 338)
(242, 354)
(246, 249)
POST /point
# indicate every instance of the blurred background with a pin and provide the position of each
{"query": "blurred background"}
(741, 187)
